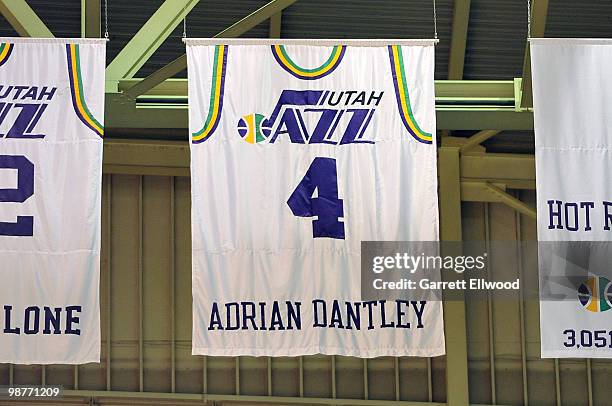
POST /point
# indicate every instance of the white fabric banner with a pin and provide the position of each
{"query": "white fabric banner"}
(573, 137)
(51, 112)
(299, 152)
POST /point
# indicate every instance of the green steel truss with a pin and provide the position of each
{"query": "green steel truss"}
(460, 105)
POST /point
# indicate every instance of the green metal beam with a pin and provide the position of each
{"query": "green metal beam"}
(23, 19)
(163, 398)
(150, 36)
(539, 12)
(157, 77)
(140, 156)
(95, 397)
(494, 193)
(484, 118)
(475, 89)
(477, 139)
(146, 157)
(461, 17)
(516, 171)
(255, 18)
(512, 201)
(90, 19)
(262, 14)
(457, 387)
(460, 105)
(122, 113)
(275, 25)
(483, 91)
(478, 192)
(176, 87)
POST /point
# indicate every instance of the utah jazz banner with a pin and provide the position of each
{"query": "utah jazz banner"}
(51, 127)
(300, 151)
(573, 129)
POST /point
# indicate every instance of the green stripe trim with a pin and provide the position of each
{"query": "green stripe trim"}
(325, 64)
(258, 133)
(80, 84)
(406, 94)
(603, 303)
(212, 92)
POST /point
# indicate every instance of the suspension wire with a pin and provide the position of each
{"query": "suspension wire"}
(106, 19)
(528, 19)
(185, 12)
(435, 20)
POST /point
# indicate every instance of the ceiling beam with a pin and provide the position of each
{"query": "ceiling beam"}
(460, 105)
(516, 171)
(126, 115)
(275, 25)
(477, 139)
(157, 77)
(152, 157)
(90, 19)
(461, 17)
(174, 398)
(255, 18)
(539, 12)
(23, 19)
(148, 39)
(235, 30)
(478, 91)
(511, 201)
(470, 119)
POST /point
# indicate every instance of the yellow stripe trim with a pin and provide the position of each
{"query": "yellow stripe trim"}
(401, 86)
(300, 72)
(5, 51)
(215, 107)
(594, 305)
(77, 92)
(250, 120)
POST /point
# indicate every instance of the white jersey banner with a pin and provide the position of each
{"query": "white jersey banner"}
(51, 111)
(299, 153)
(573, 139)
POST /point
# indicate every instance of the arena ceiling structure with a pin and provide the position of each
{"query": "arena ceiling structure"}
(483, 109)
(482, 68)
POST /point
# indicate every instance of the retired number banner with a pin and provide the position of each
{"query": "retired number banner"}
(299, 152)
(572, 87)
(51, 112)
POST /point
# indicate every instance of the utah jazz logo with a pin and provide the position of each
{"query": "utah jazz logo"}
(21, 108)
(595, 294)
(315, 117)
(251, 130)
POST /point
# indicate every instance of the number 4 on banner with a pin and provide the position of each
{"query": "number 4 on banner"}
(321, 176)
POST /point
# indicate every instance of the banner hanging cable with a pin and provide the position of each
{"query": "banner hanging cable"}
(435, 20)
(185, 22)
(106, 19)
(528, 19)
